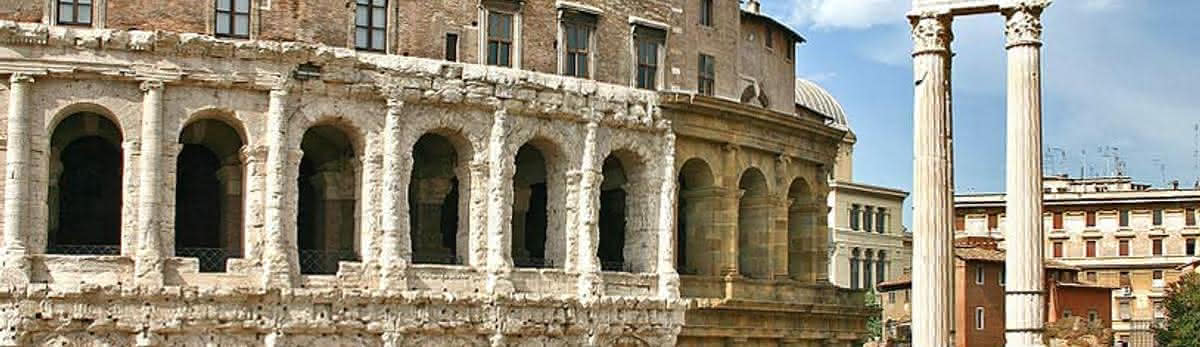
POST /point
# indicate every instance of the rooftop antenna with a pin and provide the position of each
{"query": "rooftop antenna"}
(1162, 169)
(1083, 163)
(1056, 156)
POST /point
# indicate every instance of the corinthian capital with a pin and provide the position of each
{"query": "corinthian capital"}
(931, 32)
(1023, 22)
(148, 85)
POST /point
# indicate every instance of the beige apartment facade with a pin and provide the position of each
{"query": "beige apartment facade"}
(399, 172)
(1118, 233)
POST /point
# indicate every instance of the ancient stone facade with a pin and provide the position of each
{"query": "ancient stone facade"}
(168, 185)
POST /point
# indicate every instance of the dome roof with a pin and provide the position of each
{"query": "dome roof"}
(813, 97)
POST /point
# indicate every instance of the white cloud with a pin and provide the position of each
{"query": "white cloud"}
(847, 14)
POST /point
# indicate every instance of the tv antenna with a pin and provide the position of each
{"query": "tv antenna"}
(1056, 156)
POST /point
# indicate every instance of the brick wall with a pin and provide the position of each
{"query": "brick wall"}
(174, 15)
(21, 10)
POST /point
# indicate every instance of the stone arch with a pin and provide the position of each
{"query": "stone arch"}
(697, 242)
(436, 197)
(625, 240)
(223, 115)
(538, 177)
(85, 184)
(803, 213)
(209, 185)
(327, 203)
(754, 216)
(92, 109)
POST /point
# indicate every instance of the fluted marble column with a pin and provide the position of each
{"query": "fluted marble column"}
(933, 186)
(148, 259)
(18, 158)
(396, 246)
(279, 269)
(1024, 296)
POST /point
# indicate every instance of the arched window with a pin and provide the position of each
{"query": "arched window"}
(801, 228)
(694, 230)
(854, 269)
(753, 225)
(208, 194)
(326, 217)
(85, 186)
(434, 198)
(624, 238)
(611, 249)
(529, 215)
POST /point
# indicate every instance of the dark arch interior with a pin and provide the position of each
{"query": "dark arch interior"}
(433, 197)
(326, 209)
(612, 216)
(529, 208)
(85, 204)
(208, 194)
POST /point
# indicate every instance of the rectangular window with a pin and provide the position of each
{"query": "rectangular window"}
(647, 41)
(979, 274)
(960, 223)
(78, 12)
(767, 37)
(1190, 247)
(891, 297)
(577, 32)
(854, 216)
(1158, 279)
(451, 47)
(1093, 316)
(1091, 277)
(706, 12)
(1125, 310)
(868, 218)
(499, 38)
(880, 220)
(707, 75)
(1090, 218)
(1125, 281)
(1058, 249)
(1091, 248)
(370, 24)
(1189, 217)
(233, 18)
(993, 221)
(1157, 217)
(1123, 248)
(979, 318)
(1058, 220)
(880, 269)
(1123, 218)
(854, 272)
(1157, 248)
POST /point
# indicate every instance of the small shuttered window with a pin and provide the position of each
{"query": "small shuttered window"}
(647, 42)
(706, 81)
(370, 25)
(1123, 248)
(1091, 248)
(233, 18)
(499, 38)
(577, 31)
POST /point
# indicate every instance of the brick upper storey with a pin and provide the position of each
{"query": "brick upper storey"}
(753, 58)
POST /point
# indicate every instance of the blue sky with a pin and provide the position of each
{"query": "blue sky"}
(1116, 73)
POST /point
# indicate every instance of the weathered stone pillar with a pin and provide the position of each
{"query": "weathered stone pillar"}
(254, 156)
(1024, 289)
(148, 259)
(18, 181)
(395, 250)
(590, 178)
(499, 206)
(933, 191)
(726, 221)
(279, 252)
(668, 276)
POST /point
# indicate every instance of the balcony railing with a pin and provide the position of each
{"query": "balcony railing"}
(84, 249)
(211, 259)
(324, 262)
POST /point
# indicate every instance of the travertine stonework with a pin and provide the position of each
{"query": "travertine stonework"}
(668, 217)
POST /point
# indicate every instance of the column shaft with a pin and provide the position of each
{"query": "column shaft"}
(587, 262)
(18, 158)
(933, 186)
(499, 206)
(668, 276)
(1024, 300)
(396, 247)
(148, 261)
(279, 252)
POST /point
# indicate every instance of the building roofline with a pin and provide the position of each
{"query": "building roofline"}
(868, 188)
(795, 34)
(1094, 198)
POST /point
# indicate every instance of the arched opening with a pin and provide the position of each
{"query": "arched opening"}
(84, 197)
(208, 194)
(697, 244)
(803, 211)
(529, 214)
(433, 200)
(753, 225)
(611, 248)
(326, 210)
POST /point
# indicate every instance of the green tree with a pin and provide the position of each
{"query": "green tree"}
(1182, 305)
(875, 321)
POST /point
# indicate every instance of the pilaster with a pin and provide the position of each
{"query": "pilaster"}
(590, 177)
(668, 276)
(279, 253)
(933, 195)
(148, 259)
(396, 246)
(1025, 292)
(499, 206)
(17, 179)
